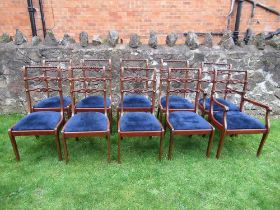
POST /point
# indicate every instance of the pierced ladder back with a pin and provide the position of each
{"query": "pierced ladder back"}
(163, 72)
(128, 63)
(174, 85)
(207, 74)
(134, 84)
(47, 78)
(64, 65)
(235, 83)
(82, 78)
(107, 63)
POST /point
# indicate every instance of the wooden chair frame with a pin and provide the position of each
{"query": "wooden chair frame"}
(12, 133)
(125, 79)
(122, 134)
(85, 90)
(223, 127)
(109, 76)
(185, 90)
(210, 72)
(163, 72)
(55, 63)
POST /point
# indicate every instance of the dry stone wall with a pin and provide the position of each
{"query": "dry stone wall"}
(263, 66)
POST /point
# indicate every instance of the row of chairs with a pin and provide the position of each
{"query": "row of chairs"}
(180, 90)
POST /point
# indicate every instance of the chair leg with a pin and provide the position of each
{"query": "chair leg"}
(108, 148)
(58, 148)
(160, 115)
(65, 149)
(111, 120)
(119, 149)
(160, 146)
(210, 144)
(165, 122)
(158, 110)
(220, 145)
(170, 146)
(14, 144)
(264, 137)
(118, 116)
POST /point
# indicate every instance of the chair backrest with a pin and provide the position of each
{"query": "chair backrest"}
(183, 85)
(163, 72)
(64, 65)
(207, 74)
(235, 83)
(136, 83)
(42, 79)
(87, 80)
(107, 63)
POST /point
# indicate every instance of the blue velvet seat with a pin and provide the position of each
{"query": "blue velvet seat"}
(177, 102)
(86, 121)
(45, 120)
(139, 121)
(132, 101)
(93, 102)
(230, 105)
(239, 120)
(53, 102)
(184, 120)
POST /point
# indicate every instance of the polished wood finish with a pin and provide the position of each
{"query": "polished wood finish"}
(47, 89)
(152, 90)
(192, 80)
(80, 85)
(223, 126)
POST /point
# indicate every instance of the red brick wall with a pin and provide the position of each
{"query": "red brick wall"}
(134, 16)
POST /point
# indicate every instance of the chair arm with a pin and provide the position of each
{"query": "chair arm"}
(268, 110)
(224, 107)
(256, 103)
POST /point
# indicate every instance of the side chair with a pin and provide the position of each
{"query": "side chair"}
(185, 121)
(45, 122)
(87, 122)
(138, 122)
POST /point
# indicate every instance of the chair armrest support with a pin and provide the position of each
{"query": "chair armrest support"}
(224, 107)
(268, 110)
(225, 110)
(256, 103)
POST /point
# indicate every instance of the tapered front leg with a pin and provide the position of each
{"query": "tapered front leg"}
(221, 142)
(264, 137)
(14, 145)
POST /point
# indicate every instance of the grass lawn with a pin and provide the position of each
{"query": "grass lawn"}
(238, 180)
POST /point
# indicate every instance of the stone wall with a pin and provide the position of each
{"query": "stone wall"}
(263, 66)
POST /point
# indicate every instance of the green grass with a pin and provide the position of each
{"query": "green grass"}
(238, 180)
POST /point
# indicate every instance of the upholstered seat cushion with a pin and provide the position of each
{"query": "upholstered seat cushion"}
(230, 105)
(45, 120)
(86, 121)
(139, 121)
(177, 102)
(93, 102)
(239, 120)
(53, 102)
(136, 101)
(184, 120)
